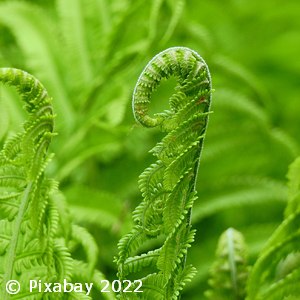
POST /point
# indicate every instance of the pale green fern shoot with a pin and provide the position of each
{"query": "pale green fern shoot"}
(229, 273)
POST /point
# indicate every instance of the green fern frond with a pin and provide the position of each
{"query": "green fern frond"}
(133, 265)
(129, 244)
(26, 241)
(33, 244)
(82, 236)
(62, 261)
(183, 277)
(285, 240)
(178, 201)
(174, 251)
(287, 286)
(153, 288)
(276, 271)
(168, 185)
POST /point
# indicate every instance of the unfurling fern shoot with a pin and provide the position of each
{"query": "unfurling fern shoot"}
(35, 229)
(28, 217)
(229, 273)
(31, 245)
(168, 185)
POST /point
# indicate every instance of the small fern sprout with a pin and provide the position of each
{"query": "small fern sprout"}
(168, 185)
(229, 273)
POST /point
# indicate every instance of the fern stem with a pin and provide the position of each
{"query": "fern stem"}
(9, 268)
(231, 258)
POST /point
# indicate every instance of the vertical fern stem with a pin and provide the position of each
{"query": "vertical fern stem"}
(168, 185)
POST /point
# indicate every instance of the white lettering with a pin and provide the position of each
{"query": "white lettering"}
(47, 287)
(57, 287)
(88, 287)
(32, 285)
(78, 288)
(68, 287)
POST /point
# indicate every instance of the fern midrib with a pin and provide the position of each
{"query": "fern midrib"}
(8, 203)
(231, 258)
(11, 177)
(137, 258)
(196, 168)
(5, 198)
(4, 237)
(193, 189)
(10, 259)
(28, 254)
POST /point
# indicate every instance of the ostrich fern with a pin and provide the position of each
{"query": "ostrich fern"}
(29, 218)
(35, 229)
(168, 185)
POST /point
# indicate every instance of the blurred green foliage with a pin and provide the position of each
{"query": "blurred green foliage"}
(88, 54)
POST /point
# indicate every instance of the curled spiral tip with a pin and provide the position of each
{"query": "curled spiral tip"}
(39, 126)
(192, 75)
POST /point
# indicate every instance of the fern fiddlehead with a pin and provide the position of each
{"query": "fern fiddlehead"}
(168, 185)
(229, 273)
(27, 214)
(28, 217)
(35, 227)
